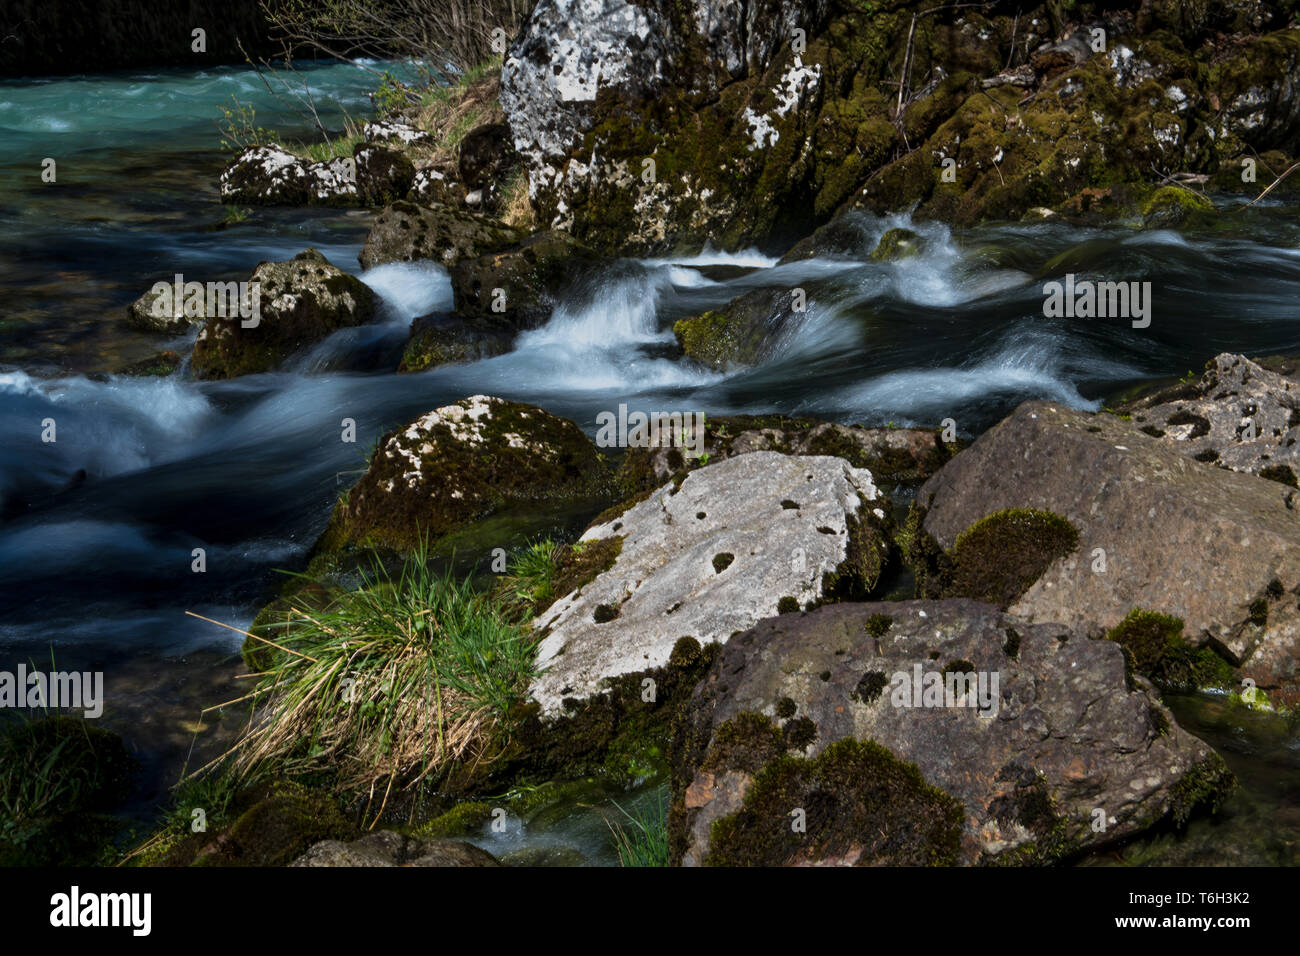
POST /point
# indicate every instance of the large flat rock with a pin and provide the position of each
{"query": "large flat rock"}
(1219, 549)
(709, 558)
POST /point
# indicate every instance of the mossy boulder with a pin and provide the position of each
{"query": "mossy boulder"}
(407, 232)
(897, 244)
(1173, 206)
(62, 777)
(745, 330)
(300, 302)
(390, 848)
(440, 339)
(917, 733)
(460, 464)
(383, 175)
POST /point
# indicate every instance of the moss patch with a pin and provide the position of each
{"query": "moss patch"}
(1155, 648)
(858, 802)
(999, 557)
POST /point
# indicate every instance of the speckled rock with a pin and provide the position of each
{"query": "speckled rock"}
(1213, 418)
(389, 848)
(738, 541)
(272, 176)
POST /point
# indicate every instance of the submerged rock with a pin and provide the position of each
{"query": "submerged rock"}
(745, 330)
(389, 848)
(747, 538)
(460, 463)
(300, 302)
(406, 232)
(1156, 530)
(813, 718)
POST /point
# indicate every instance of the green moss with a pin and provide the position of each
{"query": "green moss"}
(897, 244)
(722, 561)
(859, 802)
(787, 605)
(878, 625)
(1155, 648)
(1204, 785)
(461, 820)
(59, 779)
(999, 557)
(280, 827)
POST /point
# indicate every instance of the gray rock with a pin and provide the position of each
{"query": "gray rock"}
(149, 314)
(385, 131)
(388, 848)
(1217, 549)
(1068, 757)
(272, 176)
(708, 559)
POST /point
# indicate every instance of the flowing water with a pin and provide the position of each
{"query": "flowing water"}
(97, 529)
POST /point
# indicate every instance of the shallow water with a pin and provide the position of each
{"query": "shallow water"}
(97, 529)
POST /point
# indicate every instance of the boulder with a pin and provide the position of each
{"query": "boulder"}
(406, 232)
(272, 176)
(461, 463)
(299, 302)
(747, 538)
(1030, 746)
(389, 848)
(383, 175)
(890, 454)
(742, 332)
(266, 176)
(391, 131)
(436, 186)
(1156, 529)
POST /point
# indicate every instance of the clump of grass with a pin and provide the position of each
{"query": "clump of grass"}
(400, 680)
(529, 584)
(641, 838)
(54, 767)
(340, 146)
(516, 210)
(450, 111)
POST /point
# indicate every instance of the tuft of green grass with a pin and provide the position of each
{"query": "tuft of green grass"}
(529, 584)
(402, 679)
(641, 838)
